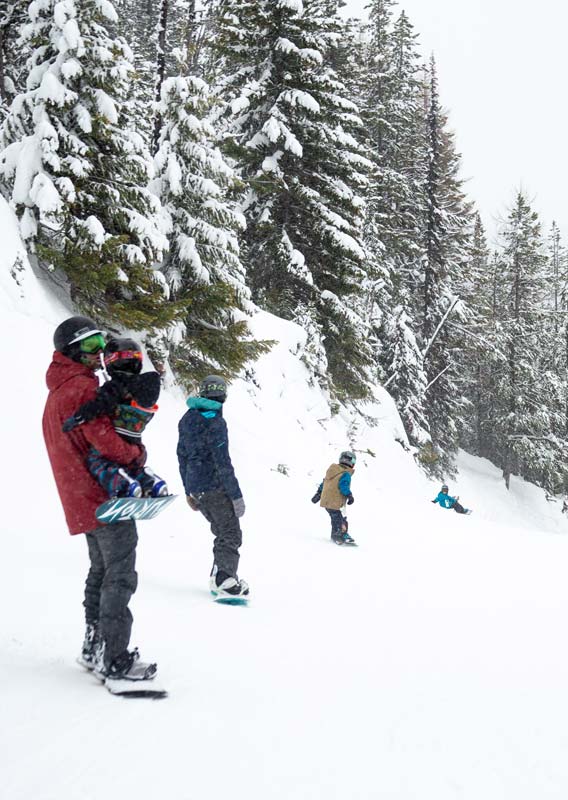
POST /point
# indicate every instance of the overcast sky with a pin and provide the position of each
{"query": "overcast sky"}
(503, 71)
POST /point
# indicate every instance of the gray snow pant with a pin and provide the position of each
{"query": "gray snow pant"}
(110, 584)
(338, 523)
(217, 508)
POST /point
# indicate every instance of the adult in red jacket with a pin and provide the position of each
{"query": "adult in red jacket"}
(112, 576)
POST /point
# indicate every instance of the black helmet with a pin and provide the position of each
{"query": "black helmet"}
(214, 387)
(71, 331)
(444, 488)
(347, 458)
(123, 355)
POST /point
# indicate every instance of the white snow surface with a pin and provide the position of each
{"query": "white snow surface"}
(428, 663)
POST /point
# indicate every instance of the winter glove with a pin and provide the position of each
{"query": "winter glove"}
(72, 422)
(350, 500)
(239, 506)
(191, 502)
(317, 497)
(433, 501)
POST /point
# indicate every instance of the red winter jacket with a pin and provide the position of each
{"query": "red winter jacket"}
(70, 385)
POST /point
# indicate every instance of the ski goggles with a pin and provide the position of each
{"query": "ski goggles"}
(92, 344)
(123, 355)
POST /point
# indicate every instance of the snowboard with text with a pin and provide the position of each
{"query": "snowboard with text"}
(118, 509)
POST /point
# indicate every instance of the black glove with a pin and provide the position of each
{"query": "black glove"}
(433, 501)
(317, 497)
(350, 500)
(72, 422)
(191, 502)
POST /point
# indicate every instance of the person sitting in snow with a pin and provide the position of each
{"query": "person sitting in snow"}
(211, 485)
(446, 501)
(129, 399)
(334, 493)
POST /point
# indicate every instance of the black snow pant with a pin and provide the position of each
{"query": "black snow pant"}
(217, 508)
(458, 508)
(338, 523)
(110, 584)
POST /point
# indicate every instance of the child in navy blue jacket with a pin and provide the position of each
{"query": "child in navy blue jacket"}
(210, 482)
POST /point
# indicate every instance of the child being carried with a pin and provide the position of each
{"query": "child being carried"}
(129, 399)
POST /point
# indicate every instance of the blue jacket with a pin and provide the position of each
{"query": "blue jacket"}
(445, 500)
(203, 449)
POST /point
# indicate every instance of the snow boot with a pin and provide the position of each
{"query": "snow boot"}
(223, 585)
(91, 642)
(127, 667)
(152, 484)
(128, 487)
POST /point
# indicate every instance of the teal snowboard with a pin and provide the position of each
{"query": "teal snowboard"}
(230, 600)
(119, 509)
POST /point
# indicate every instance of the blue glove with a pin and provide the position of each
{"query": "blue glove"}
(239, 506)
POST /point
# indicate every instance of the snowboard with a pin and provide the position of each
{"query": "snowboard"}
(230, 599)
(123, 688)
(118, 509)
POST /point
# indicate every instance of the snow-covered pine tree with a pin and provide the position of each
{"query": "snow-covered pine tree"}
(203, 267)
(78, 172)
(293, 134)
(391, 99)
(483, 353)
(528, 388)
(12, 52)
(445, 256)
(407, 383)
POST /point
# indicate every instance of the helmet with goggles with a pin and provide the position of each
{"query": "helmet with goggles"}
(347, 458)
(123, 355)
(78, 334)
(213, 387)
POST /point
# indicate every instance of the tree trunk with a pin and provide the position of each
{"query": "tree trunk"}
(161, 69)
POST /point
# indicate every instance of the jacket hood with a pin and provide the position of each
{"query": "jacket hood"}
(336, 469)
(62, 369)
(203, 404)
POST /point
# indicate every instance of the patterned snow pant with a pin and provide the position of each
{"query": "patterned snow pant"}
(339, 524)
(217, 508)
(111, 475)
(110, 584)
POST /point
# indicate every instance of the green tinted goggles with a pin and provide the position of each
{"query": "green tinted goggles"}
(92, 344)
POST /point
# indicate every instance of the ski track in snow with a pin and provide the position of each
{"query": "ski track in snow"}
(427, 663)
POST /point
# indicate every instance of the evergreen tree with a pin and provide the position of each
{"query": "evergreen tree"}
(293, 135)
(78, 171)
(407, 383)
(481, 287)
(203, 268)
(445, 256)
(529, 399)
(391, 99)
(12, 52)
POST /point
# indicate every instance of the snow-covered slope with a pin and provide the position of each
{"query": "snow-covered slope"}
(427, 663)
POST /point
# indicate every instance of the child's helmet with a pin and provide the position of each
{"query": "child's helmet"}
(213, 387)
(123, 355)
(347, 458)
(444, 488)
